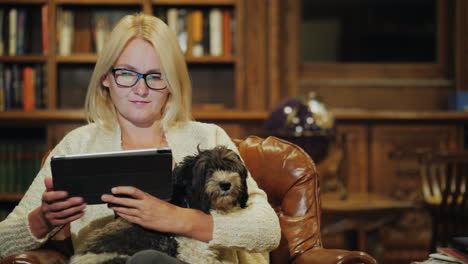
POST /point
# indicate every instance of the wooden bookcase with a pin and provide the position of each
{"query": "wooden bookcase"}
(218, 82)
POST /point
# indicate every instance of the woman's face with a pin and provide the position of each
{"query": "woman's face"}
(139, 104)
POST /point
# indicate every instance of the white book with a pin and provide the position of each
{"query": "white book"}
(182, 29)
(216, 32)
(66, 34)
(173, 20)
(13, 17)
(102, 30)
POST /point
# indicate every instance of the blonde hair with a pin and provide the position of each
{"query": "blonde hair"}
(99, 108)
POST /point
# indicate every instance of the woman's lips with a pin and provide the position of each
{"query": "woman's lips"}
(139, 102)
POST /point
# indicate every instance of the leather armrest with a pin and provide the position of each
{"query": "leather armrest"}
(39, 256)
(335, 256)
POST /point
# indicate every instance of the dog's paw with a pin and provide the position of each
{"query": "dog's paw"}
(102, 258)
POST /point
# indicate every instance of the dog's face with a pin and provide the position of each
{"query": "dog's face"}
(213, 179)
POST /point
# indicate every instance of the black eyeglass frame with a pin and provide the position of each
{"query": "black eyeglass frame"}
(140, 75)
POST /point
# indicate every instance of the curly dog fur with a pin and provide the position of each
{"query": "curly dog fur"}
(213, 179)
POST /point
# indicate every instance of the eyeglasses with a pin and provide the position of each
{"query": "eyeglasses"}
(128, 78)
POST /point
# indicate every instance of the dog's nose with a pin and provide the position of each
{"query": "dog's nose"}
(225, 186)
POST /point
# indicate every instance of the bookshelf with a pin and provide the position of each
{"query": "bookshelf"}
(65, 68)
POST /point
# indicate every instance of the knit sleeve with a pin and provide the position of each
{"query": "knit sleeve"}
(15, 232)
(254, 228)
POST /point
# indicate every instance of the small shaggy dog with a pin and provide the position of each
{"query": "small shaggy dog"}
(213, 179)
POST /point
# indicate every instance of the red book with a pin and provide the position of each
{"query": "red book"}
(45, 28)
(28, 89)
(227, 42)
(455, 254)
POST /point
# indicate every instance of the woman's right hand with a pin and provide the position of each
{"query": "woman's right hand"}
(56, 209)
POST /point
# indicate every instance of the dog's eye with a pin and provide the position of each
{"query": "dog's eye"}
(210, 171)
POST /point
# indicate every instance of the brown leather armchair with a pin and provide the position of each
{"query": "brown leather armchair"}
(289, 177)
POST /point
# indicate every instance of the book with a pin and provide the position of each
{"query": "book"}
(83, 34)
(173, 19)
(454, 254)
(20, 31)
(39, 87)
(2, 88)
(182, 29)
(66, 32)
(28, 89)
(216, 32)
(196, 17)
(227, 32)
(45, 28)
(8, 78)
(101, 30)
(33, 36)
(2, 40)
(17, 87)
(12, 24)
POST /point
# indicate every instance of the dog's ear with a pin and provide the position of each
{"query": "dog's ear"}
(181, 178)
(244, 192)
(198, 198)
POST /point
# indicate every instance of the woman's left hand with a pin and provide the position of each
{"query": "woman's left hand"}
(146, 210)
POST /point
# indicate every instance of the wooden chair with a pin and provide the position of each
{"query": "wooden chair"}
(290, 179)
(444, 178)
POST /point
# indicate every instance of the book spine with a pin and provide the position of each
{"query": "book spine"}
(197, 33)
(82, 37)
(2, 40)
(66, 33)
(12, 18)
(2, 88)
(173, 19)
(216, 32)
(38, 87)
(28, 89)
(20, 34)
(182, 29)
(17, 87)
(227, 32)
(8, 75)
(101, 29)
(45, 28)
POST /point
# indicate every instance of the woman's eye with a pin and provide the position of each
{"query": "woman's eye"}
(154, 77)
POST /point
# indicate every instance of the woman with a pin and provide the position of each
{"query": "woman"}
(139, 97)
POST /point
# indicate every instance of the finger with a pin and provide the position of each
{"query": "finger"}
(130, 218)
(130, 191)
(68, 203)
(64, 214)
(48, 183)
(121, 201)
(51, 196)
(63, 221)
(125, 210)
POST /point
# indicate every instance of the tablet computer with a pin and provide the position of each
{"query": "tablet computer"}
(94, 174)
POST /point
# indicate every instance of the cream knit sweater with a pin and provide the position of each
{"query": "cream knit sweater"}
(245, 236)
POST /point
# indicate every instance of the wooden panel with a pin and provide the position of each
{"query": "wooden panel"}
(371, 71)
(384, 98)
(273, 58)
(191, 2)
(461, 45)
(355, 163)
(290, 39)
(255, 54)
(400, 178)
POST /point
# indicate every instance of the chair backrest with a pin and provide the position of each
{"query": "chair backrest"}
(444, 178)
(289, 177)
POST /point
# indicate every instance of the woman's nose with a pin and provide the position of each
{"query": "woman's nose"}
(140, 88)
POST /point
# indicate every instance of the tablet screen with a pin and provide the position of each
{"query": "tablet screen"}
(93, 174)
